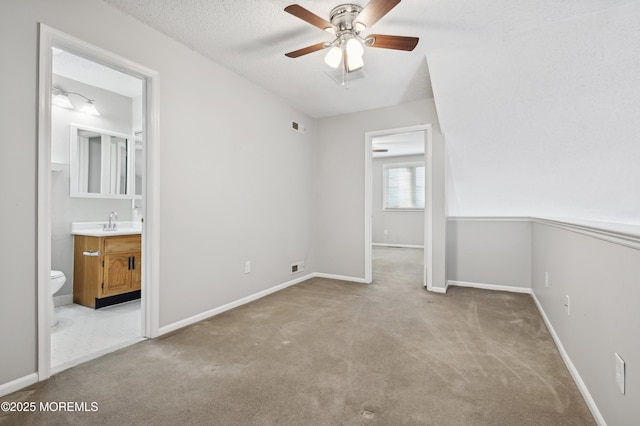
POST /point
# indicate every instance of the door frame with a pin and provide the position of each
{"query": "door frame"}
(428, 211)
(48, 38)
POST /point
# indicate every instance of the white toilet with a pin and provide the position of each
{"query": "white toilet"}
(55, 283)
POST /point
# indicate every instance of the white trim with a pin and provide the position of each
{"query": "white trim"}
(48, 38)
(497, 287)
(368, 200)
(220, 309)
(489, 218)
(428, 214)
(397, 245)
(572, 369)
(624, 235)
(368, 208)
(442, 290)
(17, 384)
(45, 61)
(340, 278)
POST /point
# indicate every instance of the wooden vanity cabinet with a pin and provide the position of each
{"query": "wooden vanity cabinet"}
(107, 270)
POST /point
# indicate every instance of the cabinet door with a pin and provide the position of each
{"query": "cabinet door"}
(136, 271)
(117, 274)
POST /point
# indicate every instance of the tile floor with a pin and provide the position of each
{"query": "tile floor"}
(82, 332)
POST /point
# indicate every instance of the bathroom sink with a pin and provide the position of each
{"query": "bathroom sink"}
(96, 229)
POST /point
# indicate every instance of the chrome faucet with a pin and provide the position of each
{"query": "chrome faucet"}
(111, 226)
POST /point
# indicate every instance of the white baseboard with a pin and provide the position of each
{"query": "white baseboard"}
(220, 309)
(572, 368)
(397, 245)
(65, 299)
(442, 290)
(215, 311)
(17, 384)
(339, 277)
(497, 287)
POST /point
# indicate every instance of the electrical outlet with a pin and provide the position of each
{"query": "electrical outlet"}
(386, 232)
(620, 372)
(546, 279)
(567, 304)
(247, 266)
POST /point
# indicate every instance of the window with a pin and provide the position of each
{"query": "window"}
(403, 186)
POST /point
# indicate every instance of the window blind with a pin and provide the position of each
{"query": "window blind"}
(403, 186)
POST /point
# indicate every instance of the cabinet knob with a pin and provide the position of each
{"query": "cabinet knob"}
(91, 253)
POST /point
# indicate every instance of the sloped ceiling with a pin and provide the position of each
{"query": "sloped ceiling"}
(538, 99)
(546, 121)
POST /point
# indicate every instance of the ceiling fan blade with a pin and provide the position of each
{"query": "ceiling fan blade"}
(375, 10)
(306, 50)
(310, 17)
(391, 42)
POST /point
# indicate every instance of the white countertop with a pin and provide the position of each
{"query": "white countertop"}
(96, 229)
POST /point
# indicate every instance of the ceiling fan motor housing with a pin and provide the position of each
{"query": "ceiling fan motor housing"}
(342, 17)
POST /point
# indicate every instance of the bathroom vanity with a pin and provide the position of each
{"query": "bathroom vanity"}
(107, 267)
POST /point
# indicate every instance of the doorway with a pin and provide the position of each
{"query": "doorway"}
(53, 42)
(425, 142)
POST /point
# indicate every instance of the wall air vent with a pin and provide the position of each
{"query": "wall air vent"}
(297, 127)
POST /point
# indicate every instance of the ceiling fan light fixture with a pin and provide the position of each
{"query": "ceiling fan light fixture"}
(346, 21)
(334, 56)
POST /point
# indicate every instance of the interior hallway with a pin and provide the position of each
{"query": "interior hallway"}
(333, 352)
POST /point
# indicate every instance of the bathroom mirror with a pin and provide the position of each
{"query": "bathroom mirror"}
(102, 163)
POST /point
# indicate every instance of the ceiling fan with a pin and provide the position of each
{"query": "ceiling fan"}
(347, 21)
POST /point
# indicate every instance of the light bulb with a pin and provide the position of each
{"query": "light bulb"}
(354, 48)
(89, 108)
(334, 56)
(62, 100)
(354, 62)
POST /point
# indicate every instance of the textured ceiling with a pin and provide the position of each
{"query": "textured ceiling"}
(251, 38)
(531, 94)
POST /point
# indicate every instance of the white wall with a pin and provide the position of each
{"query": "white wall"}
(601, 279)
(542, 120)
(236, 183)
(403, 227)
(115, 115)
(597, 265)
(339, 158)
(494, 252)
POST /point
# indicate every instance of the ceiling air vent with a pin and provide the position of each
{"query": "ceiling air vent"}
(297, 127)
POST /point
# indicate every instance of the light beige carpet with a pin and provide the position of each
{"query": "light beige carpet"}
(327, 352)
